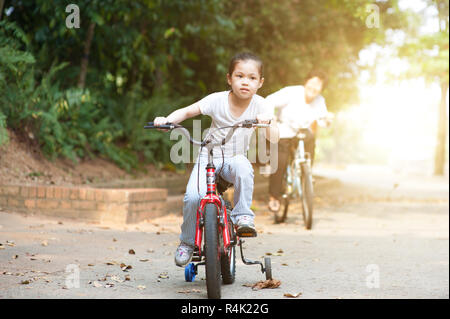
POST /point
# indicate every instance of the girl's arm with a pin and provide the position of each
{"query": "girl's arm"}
(179, 115)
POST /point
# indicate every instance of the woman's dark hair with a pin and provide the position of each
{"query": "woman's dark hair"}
(244, 56)
(317, 74)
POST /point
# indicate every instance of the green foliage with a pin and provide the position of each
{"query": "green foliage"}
(294, 37)
(3, 132)
(150, 57)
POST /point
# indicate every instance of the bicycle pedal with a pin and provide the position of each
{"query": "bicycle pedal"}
(246, 233)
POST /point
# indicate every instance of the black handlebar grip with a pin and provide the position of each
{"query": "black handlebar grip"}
(168, 126)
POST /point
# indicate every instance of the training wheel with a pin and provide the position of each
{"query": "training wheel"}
(189, 272)
(268, 268)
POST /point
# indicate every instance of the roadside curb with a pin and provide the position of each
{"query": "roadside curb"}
(129, 205)
(122, 201)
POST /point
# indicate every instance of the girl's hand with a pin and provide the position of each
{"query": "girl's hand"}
(158, 121)
(264, 118)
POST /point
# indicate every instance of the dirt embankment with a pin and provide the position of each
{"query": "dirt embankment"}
(22, 162)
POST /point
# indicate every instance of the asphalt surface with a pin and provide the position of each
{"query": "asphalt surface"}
(373, 237)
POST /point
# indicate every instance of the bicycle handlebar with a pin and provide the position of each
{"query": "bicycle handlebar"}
(171, 126)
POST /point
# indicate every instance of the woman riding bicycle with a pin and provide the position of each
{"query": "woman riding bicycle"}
(245, 77)
(296, 107)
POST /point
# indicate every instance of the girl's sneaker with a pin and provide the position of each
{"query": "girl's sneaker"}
(245, 226)
(183, 255)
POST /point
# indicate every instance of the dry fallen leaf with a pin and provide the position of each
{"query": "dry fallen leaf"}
(163, 275)
(292, 295)
(25, 282)
(132, 252)
(44, 243)
(189, 291)
(110, 263)
(90, 265)
(143, 260)
(116, 278)
(10, 243)
(127, 278)
(125, 267)
(271, 284)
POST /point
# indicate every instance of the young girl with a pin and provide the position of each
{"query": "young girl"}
(245, 76)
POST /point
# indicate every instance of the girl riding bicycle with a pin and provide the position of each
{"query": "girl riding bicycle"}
(245, 77)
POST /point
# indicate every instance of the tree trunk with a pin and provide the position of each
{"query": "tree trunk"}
(85, 59)
(2, 3)
(439, 157)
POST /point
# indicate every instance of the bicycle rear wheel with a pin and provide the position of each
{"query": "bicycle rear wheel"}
(228, 257)
(212, 254)
(307, 195)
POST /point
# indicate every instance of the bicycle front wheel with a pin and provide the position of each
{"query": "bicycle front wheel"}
(212, 253)
(281, 214)
(307, 195)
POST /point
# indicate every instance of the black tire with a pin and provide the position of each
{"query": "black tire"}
(228, 266)
(228, 259)
(280, 216)
(212, 255)
(268, 268)
(307, 196)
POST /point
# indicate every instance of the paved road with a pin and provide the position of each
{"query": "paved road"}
(373, 237)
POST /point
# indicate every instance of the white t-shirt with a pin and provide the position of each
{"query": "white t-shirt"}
(295, 112)
(216, 106)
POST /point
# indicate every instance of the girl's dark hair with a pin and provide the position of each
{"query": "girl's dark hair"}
(244, 56)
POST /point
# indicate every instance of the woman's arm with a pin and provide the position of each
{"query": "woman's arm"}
(271, 133)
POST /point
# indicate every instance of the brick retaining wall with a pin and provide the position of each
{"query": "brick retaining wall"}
(87, 204)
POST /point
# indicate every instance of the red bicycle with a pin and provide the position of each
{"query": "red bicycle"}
(215, 236)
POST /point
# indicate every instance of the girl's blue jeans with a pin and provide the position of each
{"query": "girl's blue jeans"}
(236, 170)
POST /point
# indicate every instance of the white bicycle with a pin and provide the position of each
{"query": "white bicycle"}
(298, 183)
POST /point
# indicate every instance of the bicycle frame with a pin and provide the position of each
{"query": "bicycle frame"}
(225, 244)
(211, 197)
(294, 172)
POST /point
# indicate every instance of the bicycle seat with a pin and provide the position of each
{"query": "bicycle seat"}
(222, 185)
